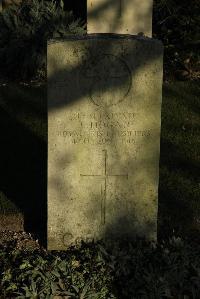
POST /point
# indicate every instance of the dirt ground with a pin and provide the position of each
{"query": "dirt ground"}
(20, 240)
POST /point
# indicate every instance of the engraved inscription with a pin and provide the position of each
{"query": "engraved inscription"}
(98, 116)
(103, 137)
(97, 128)
(105, 177)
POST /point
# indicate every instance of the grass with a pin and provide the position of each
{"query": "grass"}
(23, 123)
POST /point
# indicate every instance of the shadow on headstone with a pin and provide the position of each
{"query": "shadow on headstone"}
(120, 16)
(98, 69)
(23, 152)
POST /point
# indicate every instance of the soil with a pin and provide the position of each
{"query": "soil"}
(21, 240)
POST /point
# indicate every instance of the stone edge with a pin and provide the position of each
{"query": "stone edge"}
(105, 36)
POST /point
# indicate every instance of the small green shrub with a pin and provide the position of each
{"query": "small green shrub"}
(24, 32)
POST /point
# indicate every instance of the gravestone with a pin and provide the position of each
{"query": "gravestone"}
(104, 105)
(120, 16)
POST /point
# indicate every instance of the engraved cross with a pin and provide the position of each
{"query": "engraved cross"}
(105, 177)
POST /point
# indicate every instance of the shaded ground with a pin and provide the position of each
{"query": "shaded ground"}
(23, 155)
(179, 189)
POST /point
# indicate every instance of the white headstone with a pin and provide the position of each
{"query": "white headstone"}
(120, 16)
(104, 105)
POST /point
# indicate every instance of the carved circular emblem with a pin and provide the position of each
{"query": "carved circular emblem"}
(108, 79)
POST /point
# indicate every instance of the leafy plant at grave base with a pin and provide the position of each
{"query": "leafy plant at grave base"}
(133, 270)
(177, 24)
(24, 32)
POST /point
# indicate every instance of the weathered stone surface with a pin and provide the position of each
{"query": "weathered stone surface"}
(120, 16)
(104, 104)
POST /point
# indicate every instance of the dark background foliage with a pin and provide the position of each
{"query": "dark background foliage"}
(177, 24)
(26, 27)
(169, 270)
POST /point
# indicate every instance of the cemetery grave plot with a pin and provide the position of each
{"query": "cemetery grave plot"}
(104, 99)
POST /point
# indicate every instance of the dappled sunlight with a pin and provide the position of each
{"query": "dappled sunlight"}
(120, 16)
(88, 55)
(103, 145)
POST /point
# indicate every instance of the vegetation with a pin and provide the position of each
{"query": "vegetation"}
(26, 27)
(170, 269)
(25, 30)
(135, 270)
(177, 24)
